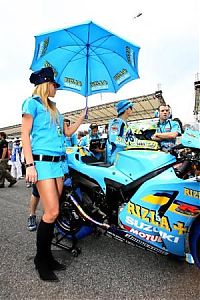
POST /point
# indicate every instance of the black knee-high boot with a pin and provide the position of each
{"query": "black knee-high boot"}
(41, 260)
(53, 264)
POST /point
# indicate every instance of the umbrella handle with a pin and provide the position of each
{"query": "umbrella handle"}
(86, 113)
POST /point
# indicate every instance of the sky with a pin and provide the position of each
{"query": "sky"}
(167, 33)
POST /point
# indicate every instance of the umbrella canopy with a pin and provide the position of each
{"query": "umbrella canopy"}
(87, 59)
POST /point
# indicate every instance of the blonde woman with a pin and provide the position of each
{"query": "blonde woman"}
(43, 134)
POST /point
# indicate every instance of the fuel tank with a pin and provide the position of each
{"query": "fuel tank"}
(136, 163)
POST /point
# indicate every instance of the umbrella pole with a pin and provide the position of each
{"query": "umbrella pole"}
(86, 105)
(88, 46)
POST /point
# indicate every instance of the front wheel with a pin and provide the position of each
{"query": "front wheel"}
(194, 242)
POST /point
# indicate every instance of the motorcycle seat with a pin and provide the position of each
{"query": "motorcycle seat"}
(100, 164)
(91, 160)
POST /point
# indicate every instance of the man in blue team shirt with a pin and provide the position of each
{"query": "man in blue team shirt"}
(167, 129)
(92, 136)
(117, 130)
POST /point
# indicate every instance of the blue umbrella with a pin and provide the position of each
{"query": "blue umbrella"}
(87, 59)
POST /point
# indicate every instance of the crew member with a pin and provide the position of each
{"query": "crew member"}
(117, 130)
(167, 130)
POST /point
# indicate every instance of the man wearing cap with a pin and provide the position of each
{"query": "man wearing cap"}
(43, 133)
(117, 130)
(92, 135)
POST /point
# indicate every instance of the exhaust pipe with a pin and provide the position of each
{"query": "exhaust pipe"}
(86, 217)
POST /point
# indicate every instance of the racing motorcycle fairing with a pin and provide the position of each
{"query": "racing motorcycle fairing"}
(168, 231)
(95, 171)
(191, 138)
(140, 199)
(137, 163)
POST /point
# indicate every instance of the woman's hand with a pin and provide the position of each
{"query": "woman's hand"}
(84, 113)
(31, 174)
(68, 131)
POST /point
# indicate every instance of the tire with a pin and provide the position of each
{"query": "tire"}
(194, 242)
(68, 220)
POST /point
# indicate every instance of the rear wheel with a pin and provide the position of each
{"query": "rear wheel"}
(194, 242)
(68, 221)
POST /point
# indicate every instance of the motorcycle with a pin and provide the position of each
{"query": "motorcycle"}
(148, 198)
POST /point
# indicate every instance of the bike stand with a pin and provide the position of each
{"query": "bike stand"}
(59, 239)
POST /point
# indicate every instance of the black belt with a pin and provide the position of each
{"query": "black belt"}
(41, 157)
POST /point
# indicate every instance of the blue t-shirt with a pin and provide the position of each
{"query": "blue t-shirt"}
(168, 126)
(85, 141)
(71, 141)
(47, 136)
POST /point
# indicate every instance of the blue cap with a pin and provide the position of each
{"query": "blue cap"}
(43, 75)
(123, 105)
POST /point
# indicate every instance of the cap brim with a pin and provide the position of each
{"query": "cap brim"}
(125, 108)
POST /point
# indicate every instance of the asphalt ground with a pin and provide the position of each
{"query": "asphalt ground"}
(106, 268)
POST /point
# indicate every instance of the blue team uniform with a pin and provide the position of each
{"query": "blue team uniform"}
(47, 138)
(168, 126)
(116, 142)
(85, 141)
(71, 141)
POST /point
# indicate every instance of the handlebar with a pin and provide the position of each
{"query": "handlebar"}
(190, 159)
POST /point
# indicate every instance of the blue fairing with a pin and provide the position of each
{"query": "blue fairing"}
(92, 171)
(137, 163)
(140, 215)
(191, 138)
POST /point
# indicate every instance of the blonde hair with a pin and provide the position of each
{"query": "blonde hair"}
(42, 90)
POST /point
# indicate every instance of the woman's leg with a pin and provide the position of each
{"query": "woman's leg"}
(51, 211)
(49, 191)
